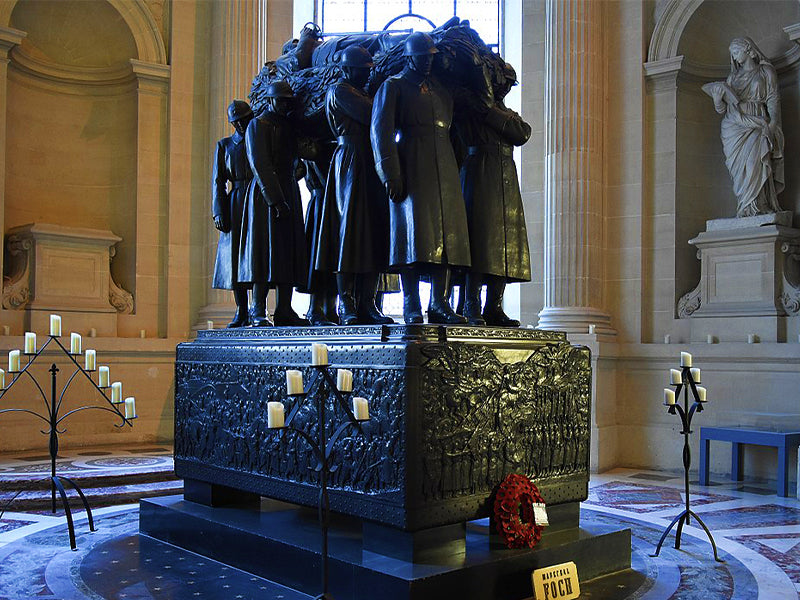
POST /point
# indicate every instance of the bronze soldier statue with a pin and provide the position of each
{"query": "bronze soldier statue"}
(231, 165)
(273, 241)
(497, 232)
(362, 206)
(321, 284)
(428, 222)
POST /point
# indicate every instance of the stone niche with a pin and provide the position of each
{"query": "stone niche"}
(52, 268)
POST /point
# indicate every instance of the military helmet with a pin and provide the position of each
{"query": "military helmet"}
(419, 43)
(279, 89)
(238, 109)
(510, 73)
(356, 56)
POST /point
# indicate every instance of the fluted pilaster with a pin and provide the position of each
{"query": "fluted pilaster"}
(238, 39)
(573, 188)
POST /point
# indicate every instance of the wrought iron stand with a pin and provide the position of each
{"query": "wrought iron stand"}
(54, 419)
(686, 413)
(323, 449)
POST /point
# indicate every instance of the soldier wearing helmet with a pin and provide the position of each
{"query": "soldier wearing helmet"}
(356, 203)
(428, 223)
(497, 230)
(273, 241)
(227, 205)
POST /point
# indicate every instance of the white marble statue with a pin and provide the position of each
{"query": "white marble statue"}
(752, 137)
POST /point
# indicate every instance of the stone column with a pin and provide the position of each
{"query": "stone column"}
(152, 89)
(9, 38)
(573, 188)
(238, 52)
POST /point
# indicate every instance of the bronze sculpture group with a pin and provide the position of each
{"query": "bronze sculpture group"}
(406, 147)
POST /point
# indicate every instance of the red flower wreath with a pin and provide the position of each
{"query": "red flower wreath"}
(513, 512)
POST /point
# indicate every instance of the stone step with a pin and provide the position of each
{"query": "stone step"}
(40, 478)
(40, 501)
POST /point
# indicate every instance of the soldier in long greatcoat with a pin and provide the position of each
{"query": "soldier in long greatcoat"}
(273, 244)
(231, 165)
(362, 207)
(427, 215)
(497, 232)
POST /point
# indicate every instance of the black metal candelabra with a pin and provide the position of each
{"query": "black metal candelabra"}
(53, 418)
(686, 413)
(322, 447)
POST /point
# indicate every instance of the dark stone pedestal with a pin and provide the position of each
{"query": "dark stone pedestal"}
(453, 410)
(281, 542)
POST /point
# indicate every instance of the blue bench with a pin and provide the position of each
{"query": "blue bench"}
(738, 436)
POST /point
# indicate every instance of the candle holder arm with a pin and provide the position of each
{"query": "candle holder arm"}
(125, 420)
(295, 409)
(25, 410)
(311, 441)
(65, 388)
(336, 435)
(340, 399)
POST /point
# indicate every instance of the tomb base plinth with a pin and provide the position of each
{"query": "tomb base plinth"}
(281, 542)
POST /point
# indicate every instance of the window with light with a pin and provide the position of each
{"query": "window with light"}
(337, 17)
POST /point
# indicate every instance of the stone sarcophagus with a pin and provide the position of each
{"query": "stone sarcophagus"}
(453, 411)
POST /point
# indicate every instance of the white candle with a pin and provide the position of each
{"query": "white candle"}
(130, 407)
(103, 377)
(55, 325)
(209, 324)
(669, 396)
(686, 359)
(75, 343)
(2, 379)
(591, 328)
(294, 382)
(319, 355)
(701, 394)
(275, 415)
(361, 409)
(675, 376)
(93, 332)
(751, 338)
(344, 380)
(116, 392)
(30, 342)
(142, 333)
(13, 361)
(91, 360)
(695, 374)
(667, 339)
(709, 339)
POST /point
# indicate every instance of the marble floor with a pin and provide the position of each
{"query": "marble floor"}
(758, 535)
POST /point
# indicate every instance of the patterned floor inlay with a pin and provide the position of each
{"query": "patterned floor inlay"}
(758, 537)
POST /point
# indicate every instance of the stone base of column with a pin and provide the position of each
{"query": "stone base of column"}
(575, 319)
(221, 313)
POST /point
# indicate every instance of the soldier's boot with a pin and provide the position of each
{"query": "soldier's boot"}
(462, 292)
(284, 314)
(316, 311)
(348, 314)
(329, 301)
(258, 314)
(412, 309)
(439, 309)
(471, 291)
(493, 312)
(240, 317)
(368, 312)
